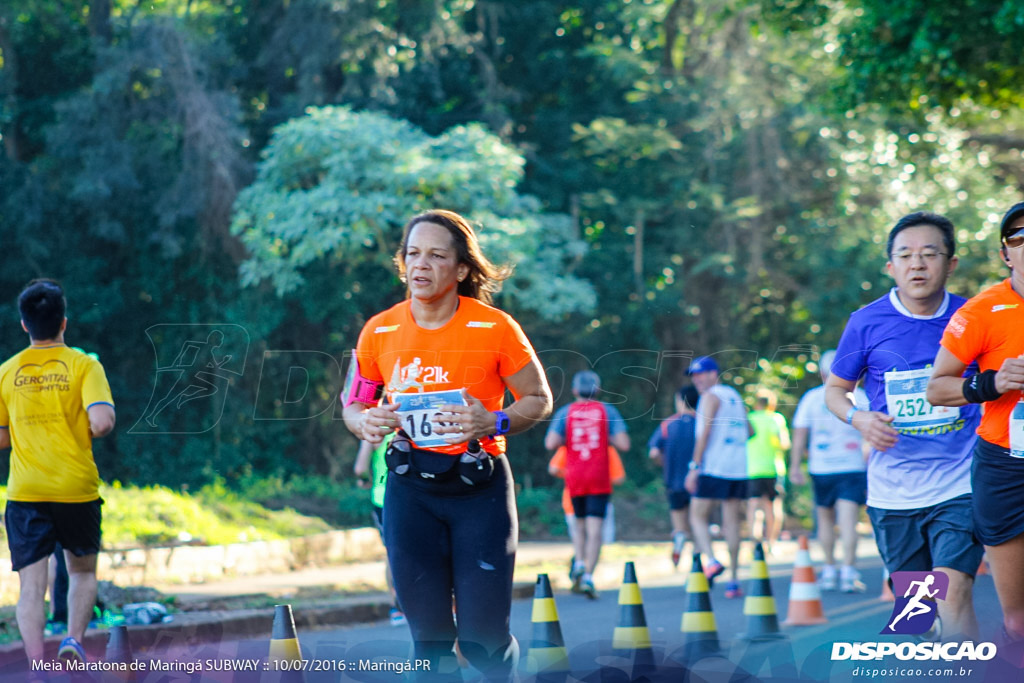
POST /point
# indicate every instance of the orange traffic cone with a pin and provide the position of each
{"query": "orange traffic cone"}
(886, 595)
(804, 595)
(983, 567)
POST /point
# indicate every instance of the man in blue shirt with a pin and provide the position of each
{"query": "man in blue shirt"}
(919, 469)
(671, 446)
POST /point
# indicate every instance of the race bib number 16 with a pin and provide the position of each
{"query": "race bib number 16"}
(418, 413)
(905, 399)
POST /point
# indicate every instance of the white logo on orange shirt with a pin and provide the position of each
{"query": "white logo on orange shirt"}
(415, 376)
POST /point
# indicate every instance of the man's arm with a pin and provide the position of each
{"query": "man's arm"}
(362, 466)
(656, 455)
(946, 386)
(709, 406)
(5, 438)
(875, 427)
(796, 455)
(553, 440)
(621, 440)
(101, 419)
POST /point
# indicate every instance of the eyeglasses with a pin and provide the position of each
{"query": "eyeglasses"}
(1015, 241)
(927, 256)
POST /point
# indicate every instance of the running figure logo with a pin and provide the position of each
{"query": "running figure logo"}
(916, 607)
(194, 363)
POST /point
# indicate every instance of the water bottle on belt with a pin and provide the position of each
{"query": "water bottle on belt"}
(475, 465)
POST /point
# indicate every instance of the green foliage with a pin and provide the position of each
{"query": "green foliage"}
(211, 517)
(669, 178)
(540, 512)
(342, 504)
(337, 185)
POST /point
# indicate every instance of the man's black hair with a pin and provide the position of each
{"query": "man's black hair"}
(689, 396)
(42, 306)
(912, 220)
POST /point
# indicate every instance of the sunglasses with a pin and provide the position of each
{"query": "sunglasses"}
(1015, 241)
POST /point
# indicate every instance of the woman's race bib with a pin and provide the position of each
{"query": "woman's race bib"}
(418, 413)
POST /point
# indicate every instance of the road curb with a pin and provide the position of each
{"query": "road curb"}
(221, 625)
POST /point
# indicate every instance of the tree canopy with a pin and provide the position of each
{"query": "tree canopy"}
(669, 177)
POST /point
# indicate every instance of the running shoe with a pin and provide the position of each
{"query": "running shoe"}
(733, 590)
(577, 579)
(713, 569)
(55, 628)
(829, 579)
(678, 541)
(850, 581)
(397, 617)
(71, 651)
(587, 588)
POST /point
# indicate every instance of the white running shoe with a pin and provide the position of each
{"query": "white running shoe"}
(849, 581)
(829, 579)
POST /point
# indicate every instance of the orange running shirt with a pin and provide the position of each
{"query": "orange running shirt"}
(474, 350)
(989, 328)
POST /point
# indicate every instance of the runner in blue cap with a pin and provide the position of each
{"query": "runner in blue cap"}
(718, 471)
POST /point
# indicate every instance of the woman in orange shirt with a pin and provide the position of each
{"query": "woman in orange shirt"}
(443, 359)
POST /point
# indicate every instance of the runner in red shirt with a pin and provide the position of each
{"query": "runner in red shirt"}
(586, 427)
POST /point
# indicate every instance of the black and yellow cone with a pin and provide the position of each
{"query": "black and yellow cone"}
(119, 651)
(632, 634)
(700, 633)
(759, 605)
(546, 654)
(284, 645)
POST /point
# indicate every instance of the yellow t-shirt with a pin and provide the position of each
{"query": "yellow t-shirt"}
(45, 393)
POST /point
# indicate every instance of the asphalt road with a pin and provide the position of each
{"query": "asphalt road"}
(804, 653)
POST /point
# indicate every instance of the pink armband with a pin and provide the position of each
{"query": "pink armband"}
(363, 390)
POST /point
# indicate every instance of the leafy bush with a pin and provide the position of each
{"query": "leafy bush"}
(155, 515)
(341, 503)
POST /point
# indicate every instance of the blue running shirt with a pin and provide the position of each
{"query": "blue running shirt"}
(894, 350)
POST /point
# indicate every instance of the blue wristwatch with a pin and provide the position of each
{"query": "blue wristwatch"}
(501, 423)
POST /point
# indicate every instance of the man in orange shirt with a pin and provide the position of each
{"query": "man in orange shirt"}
(989, 329)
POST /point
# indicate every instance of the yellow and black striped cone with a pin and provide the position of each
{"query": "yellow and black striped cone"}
(284, 645)
(700, 634)
(632, 634)
(546, 654)
(759, 605)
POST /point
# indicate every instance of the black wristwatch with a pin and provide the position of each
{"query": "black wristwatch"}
(501, 423)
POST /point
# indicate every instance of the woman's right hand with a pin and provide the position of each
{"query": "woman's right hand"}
(378, 422)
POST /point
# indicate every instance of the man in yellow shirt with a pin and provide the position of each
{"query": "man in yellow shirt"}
(53, 401)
